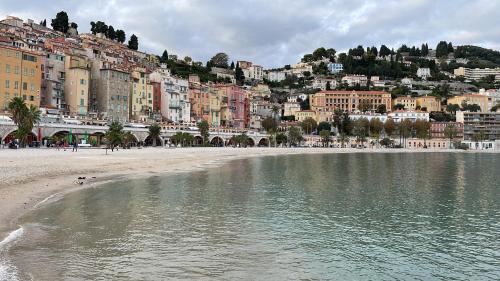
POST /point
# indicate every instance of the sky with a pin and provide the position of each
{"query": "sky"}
(273, 33)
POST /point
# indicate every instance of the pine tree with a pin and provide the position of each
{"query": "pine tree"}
(232, 65)
(133, 43)
(164, 57)
(111, 34)
(120, 36)
(61, 22)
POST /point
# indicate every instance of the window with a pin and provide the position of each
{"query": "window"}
(82, 81)
(25, 86)
(7, 84)
(83, 92)
(7, 68)
(32, 87)
(16, 69)
(81, 102)
(25, 71)
(33, 72)
(29, 58)
(16, 85)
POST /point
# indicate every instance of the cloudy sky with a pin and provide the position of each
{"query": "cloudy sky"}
(277, 32)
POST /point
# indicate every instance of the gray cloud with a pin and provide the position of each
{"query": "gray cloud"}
(278, 32)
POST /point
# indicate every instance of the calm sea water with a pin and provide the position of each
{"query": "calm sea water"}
(316, 217)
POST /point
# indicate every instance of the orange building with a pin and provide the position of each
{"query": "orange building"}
(349, 100)
(199, 97)
(20, 76)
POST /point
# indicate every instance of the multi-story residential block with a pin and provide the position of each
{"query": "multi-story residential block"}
(353, 80)
(300, 68)
(53, 81)
(481, 126)
(304, 114)
(409, 102)
(424, 73)
(400, 115)
(156, 97)
(335, 68)
(77, 84)
(429, 103)
(113, 95)
(141, 95)
(349, 100)
(438, 128)
(324, 83)
(175, 105)
(291, 108)
(493, 97)
(480, 100)
(20, 76)
(275, 75)
(477, 74)
(234, 113)
(199, 97)
(251, 71)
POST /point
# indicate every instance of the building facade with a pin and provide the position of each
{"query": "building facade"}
(349, 100)
(77, 84)
(113, 95)
(481, 126)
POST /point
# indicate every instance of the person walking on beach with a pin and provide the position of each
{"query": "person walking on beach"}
(75, 146)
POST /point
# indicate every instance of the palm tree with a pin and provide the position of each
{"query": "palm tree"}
(343, 138)
(128, 137)
(16, 107)
(154, 132)
(115, 134)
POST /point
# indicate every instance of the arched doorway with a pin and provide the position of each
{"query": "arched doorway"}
(198, 141)
(149, 141)
(263, 142)
(250, 142)
(217, 142)
(13, 136)
(95, 139)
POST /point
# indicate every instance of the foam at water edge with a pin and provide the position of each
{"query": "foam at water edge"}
(7, 272)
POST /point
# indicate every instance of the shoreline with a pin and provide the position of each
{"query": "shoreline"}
(31, 177)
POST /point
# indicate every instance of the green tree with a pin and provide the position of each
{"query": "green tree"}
(309, 125)
(381, 109)
(325, 137)
(61, 22)
(114, 135)
(220, 60)
(442, 49)
(452, 108)
(343, 138)
(204, 131)
(389, 127)
(111, 34)
(324, 126)
(269, 124)
(164, 57)
(232, 65)
(133, 43)
(422, 128)
(361, 128)
(239, 75)
(405, 128)
(154, 132)
(24, 117)
(294, 136)
(16, 108)
(120, 36)
(450, 132)
(281, 138)
(376, 128)
(399, 106)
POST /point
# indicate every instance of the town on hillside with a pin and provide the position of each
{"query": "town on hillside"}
(413, 96)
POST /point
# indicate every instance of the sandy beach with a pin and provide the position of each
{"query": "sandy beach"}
(28, 176)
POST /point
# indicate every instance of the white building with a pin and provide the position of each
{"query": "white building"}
(400, 115)
(300, 68)
(251, 71)
(353, 80)
(408, 82)
(321, 83)
(424, 73)
(381, 117)
(335, 68)
(291, 108)
(493, 97)
(276, 75)
(477, 73)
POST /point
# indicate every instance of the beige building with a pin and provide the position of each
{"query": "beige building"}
(430, 103)
(304, 114)
(291, 108)
(480, 100)
(76, 86)
(141, 95)
(409, 102)
(20, 76)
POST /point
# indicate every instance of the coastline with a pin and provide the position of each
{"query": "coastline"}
(30, 177)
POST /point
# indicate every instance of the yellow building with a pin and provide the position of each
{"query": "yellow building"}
(430, 103)
(20, 76)
(304, 114)
(141, 101)
(409, 102)
(480, 100)
(76, 85)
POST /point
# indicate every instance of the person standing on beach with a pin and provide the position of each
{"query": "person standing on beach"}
(75, 146)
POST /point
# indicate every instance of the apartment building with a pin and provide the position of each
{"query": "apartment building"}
(349, 100)
(76, 86)
(141, 95)
(20, 76)
(53, 81)
(409, 103)
(477, 73)
(413, 115)
(480, 100)
(113, 95)
(484, 126)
